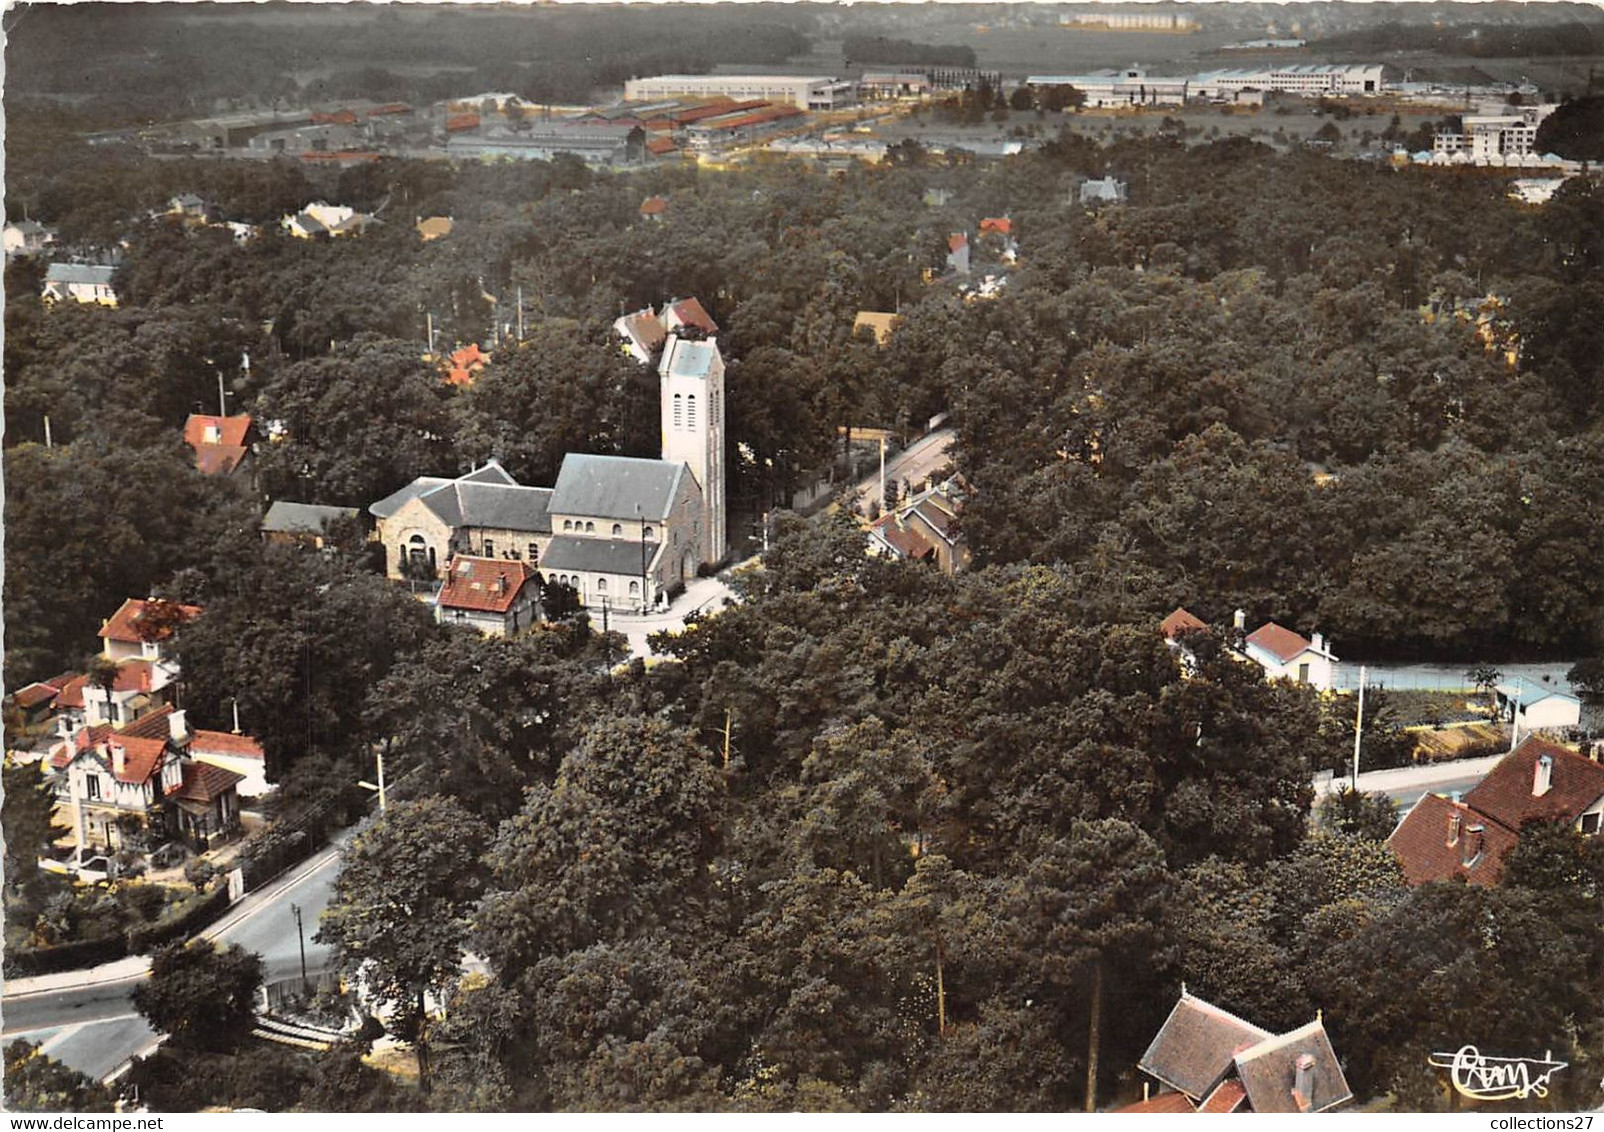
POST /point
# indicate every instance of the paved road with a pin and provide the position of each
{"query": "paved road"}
(702, 595)
(915, 463)
(1449, 676)
(1405, 785)
(93, 1027)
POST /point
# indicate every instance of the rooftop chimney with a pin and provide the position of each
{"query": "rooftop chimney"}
(1303, 1083)
(1471, 853)
(1455, 820)
(119, 760)
(177, 726)
(1542, 775)
(1239, 620)
(1319, 642)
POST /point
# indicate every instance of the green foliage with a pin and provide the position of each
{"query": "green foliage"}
(27, 816)
(1574, 130)
(202, 996)
(36, 1083)
(1357, 814)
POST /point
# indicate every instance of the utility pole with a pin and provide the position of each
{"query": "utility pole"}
(882, 472)
(1359, 729)
(222, 396)
(1514, 714)
(520, 312)
(48, 444)
(383, 802)
(428, 321)
(300, 931)
(727, 712)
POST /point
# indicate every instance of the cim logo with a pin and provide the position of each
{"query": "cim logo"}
(1497, 1078)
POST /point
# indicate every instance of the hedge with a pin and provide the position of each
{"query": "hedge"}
(22, 962)
(147, 937)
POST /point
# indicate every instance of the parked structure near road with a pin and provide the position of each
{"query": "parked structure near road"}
(1444, 838)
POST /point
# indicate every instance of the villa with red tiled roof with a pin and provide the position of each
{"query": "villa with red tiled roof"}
(221, 444)
(1283, 654)
(925, 529)
(1446, 838)
(493, 595)
(133, 788)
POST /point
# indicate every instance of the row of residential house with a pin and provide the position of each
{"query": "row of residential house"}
(129, 772)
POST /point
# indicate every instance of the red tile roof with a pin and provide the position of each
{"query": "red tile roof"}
(125, 624)
(1281, 643)
(133, 676)
(1421, 843)
(1505, 795)
(204, 782)
(1227, 1097)
(218, 459)
(645, 326)
(659, 146)
(469, 356)
(1164, 1103)
(654, 206)
(957, 240)
(35, 694)
(72, 693)
(151, 725)
(903, 539)
(459, 122)
(1269, 1072)
(1181, 621)
(997, 224)
(489, 585)
(230, 430)
(225, 743)
(141, 757)
(690, 312)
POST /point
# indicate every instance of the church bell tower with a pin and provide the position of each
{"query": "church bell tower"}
(691, 379)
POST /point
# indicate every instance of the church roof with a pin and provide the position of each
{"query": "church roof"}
(486, 497)
(597, 555)
(615, 487)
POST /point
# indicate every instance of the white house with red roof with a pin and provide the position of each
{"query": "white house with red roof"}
(495, 596)
(137, 640)
(1285, 655)
(133, 787)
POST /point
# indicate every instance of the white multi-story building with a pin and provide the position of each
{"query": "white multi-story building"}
(1495, 135)
(1298, 78)
(806, 92)
(1132, 86)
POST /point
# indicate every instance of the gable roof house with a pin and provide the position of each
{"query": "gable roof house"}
(1284, 655)
(466, 363)
(925, 528)
(27, 237)
(221, 444)
(1219, 1062)
(305, 524)
(682, 313)
(494, 596)
(1446, 838)
(643, 334)
(1532, 707)
(958, 253)
(80, 282)
(132, 787)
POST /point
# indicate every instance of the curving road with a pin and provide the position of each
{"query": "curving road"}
(86, 1019)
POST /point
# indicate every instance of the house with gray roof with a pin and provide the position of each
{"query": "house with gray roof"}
(304, 524)
(81, 283)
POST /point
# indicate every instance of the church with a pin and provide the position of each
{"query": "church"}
(624, 532)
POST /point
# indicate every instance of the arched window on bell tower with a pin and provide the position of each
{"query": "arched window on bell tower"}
(679, 410)
(690, 411)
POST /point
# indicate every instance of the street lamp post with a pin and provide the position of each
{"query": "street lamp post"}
(300, 930)
(640, 521)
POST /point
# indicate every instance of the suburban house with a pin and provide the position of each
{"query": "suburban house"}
(27, 237)
(1444, 838)
(879, 323)
(1105, 190)
(304, 524)
(221, 444)
(687, 314)
(1284, 655)
(135, 639)
(322, 219)
(654, 208)
(958, 253)
(643, 334)
(925, 529)
(495, 596)
(1208, 1060)
(1532, 707)
(134, 787)
(234, 752)
(80, 282)
(466, 363)
(188, 208)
